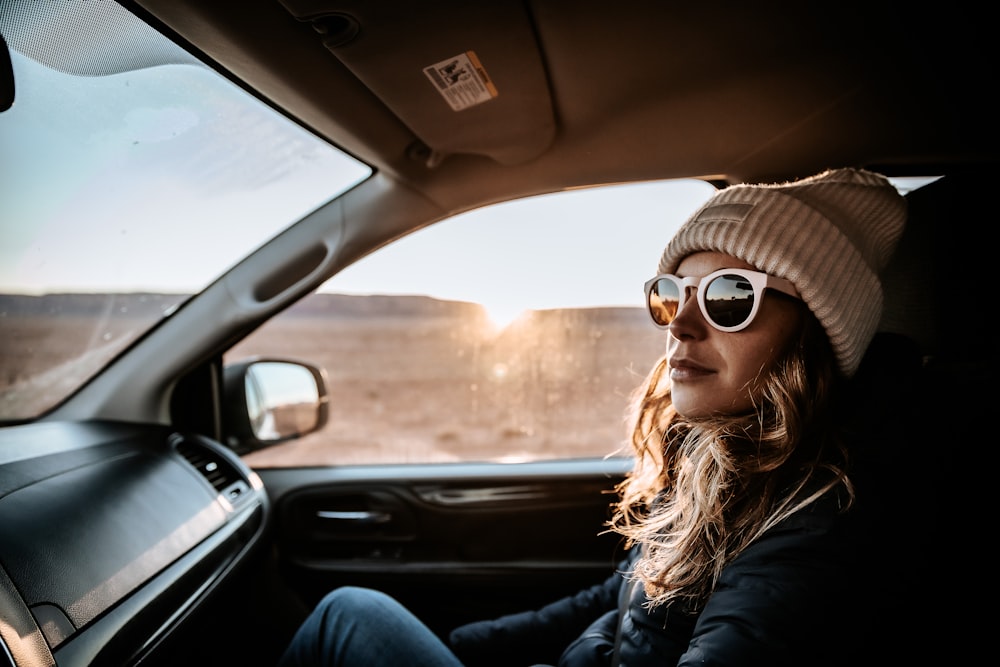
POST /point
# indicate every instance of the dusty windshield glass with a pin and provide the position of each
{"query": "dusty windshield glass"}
(133, 176)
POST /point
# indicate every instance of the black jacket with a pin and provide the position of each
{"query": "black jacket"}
(794, 597)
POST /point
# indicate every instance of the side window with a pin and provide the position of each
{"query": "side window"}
(511, 333)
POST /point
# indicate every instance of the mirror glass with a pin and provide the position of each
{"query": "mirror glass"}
(282, 399)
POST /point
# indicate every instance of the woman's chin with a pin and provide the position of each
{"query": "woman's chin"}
(701, 402)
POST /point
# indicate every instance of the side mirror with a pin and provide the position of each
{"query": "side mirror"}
(269, 401)
(6, 77)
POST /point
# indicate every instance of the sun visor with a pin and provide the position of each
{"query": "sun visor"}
(85, 38)
(464, 77)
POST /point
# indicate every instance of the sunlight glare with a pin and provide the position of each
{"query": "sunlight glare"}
(501, 316)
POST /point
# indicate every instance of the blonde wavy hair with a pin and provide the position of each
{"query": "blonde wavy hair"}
(702, 490)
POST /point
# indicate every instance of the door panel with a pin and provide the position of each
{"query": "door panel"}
(451, 542)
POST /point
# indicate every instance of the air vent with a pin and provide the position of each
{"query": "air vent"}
(215, 468)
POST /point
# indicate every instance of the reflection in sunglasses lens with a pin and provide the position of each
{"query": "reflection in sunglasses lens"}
(729, 300)
(664, 299)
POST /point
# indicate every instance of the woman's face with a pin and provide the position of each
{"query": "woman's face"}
(714, 372)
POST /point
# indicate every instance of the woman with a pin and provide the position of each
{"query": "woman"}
(739, 512)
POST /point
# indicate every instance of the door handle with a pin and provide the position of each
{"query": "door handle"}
(360, 517)
(493, 494)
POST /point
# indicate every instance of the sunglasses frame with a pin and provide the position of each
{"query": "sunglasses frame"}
(758, 280)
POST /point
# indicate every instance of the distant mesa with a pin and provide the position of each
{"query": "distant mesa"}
(339, 306)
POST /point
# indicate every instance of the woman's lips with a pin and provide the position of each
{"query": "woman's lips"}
(687, 369)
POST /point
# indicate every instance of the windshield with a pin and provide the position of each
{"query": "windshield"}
(133, 176)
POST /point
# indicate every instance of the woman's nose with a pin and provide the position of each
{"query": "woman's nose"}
(688, 322)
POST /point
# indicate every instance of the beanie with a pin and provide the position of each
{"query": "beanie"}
(830, 235)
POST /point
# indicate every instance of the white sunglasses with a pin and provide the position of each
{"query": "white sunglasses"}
(729, 298)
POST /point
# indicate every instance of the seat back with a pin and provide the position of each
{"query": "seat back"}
(925, 390)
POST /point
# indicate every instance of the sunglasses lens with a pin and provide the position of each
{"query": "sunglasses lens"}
(664, 299)
(729, 300)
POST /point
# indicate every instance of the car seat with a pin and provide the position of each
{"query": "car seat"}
(922, 393)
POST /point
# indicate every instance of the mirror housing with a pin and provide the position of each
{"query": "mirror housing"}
(6, 77)
(270, 401)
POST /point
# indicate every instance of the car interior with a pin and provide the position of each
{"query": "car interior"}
(135, 531)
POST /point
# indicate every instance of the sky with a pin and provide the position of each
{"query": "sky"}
(571, 249)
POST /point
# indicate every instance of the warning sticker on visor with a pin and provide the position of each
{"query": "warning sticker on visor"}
(462, 81)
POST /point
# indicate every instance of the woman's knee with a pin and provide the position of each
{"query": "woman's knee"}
(353, 601)
(355, 611)
(361, 626)
(344, 618)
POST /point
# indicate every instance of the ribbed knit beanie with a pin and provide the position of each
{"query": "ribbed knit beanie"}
(830, 234)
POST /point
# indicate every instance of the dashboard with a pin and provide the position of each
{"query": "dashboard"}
(112, 533)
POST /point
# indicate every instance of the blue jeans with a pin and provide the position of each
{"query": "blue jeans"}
(358, 627)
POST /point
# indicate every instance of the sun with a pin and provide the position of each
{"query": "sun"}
(501, 316)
